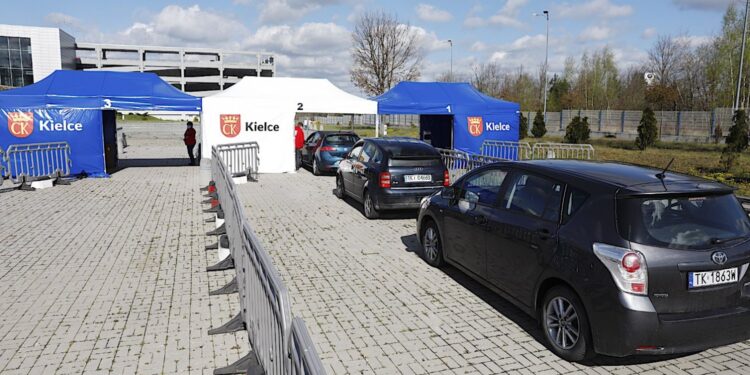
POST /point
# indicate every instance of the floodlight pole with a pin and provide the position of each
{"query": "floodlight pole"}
(742, 59)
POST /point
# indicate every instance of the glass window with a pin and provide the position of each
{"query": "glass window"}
(26, 60)
(5, 78)
(575, 200)
(17, 77)
(3, 42)
(28, 77)
(693, 222)
(354, 153)
(367, 153)
(15, 59)
(26, 45)
(534, 195)
(4, 58)
(483, 187)
(14, 43)
(341, 139)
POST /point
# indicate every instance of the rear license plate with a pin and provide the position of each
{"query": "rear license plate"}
(709, 278)
(418, 178)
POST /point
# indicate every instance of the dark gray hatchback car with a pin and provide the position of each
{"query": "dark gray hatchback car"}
(612, 258)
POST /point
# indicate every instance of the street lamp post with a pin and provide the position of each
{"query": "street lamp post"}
(546, 60)
(450, 41)
(742, 59)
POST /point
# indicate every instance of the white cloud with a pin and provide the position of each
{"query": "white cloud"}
(595, 33)
(242, 2)
(428, 12)
(478, 47)
(278, 11)
(715, 5)
(428, 40)
(498, 56)
(529, 41)
(507, 16)
(592, 8)
(64, 21)
(649, 33)
(694, 40)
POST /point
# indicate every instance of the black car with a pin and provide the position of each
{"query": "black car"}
(390, 173)
(612, 258)
(323, 150)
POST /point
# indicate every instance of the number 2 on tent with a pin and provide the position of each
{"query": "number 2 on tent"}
(299, 107)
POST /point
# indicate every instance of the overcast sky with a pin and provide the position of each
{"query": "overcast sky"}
(311, 38)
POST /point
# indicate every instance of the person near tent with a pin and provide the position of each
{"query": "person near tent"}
(299, 142)
(189, 139)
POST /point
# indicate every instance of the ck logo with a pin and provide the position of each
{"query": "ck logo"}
(229, 125)
(21, 124)
(475, 125)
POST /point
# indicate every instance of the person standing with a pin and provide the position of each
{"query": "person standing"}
(189, 139)
(299, 142)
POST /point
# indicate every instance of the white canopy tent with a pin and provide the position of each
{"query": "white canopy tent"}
(262, 109)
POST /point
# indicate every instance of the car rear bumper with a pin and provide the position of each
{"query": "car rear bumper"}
(633, 331)
(401, 199)
(328, 163)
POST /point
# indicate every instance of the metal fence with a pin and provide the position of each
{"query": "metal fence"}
(241, 159)
(35, 161)
(506, 149)
(2, 166)
(278, 346)
(459, 162)
(546, 150)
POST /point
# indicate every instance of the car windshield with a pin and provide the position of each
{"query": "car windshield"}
(341, 139)
(695, 222)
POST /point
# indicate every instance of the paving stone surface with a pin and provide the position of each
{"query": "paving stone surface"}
(372, 305)
(108, 275)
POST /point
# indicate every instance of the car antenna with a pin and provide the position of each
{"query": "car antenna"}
(662, 174)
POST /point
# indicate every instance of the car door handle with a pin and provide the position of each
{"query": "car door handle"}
(480, 220)
(544, 234)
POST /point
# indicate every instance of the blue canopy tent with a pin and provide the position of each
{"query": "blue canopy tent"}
(78, 107)
(453, 115)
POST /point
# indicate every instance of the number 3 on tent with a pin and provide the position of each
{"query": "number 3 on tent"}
(299, 107)
(107, 103)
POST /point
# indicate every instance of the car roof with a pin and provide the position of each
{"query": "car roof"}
(628, 179)
(388, 143)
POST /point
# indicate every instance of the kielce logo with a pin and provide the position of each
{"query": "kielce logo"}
(21, 124)
(229, 125)
(477, 126)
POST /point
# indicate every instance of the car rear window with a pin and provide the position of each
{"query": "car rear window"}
(405, 150)
(341, 139)
(685, 222)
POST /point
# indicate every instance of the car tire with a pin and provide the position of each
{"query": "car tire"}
(432, 246)
(315, 167)
(368, 206)
(565, 325)
(339, 191)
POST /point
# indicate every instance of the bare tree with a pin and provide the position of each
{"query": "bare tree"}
(664, 58)
(385, 52)
(487, 78)
(452, 77)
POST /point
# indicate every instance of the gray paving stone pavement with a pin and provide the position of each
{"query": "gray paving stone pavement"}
(108, 275)
(372, 305)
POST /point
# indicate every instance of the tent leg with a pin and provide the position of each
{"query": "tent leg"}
(377, 125)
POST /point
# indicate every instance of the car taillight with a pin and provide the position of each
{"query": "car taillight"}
(446, 178)
(385, 180)
(327, 148)
(628, 267)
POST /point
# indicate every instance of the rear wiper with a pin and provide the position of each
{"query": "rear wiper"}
(717, 241)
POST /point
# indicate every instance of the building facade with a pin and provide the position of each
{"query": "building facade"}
(29, 54)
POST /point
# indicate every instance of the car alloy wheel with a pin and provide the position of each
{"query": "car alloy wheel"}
(369, 207)
(316, 169)
(431, 246)
(339, 187)
(563, 325)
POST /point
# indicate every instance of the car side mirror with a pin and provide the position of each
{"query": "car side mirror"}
(448, 192)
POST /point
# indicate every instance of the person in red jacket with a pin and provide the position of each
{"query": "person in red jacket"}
(189, 139)
(299, 142)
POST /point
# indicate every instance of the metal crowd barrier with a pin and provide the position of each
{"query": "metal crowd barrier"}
(36, 161)
(241, 159)
(279, 345)
(459, 162)
(506, 149)
(546, 150)
(2, 166)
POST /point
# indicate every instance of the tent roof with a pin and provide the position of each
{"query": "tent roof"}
(426, 98)
(100, 90)
(315, 95)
